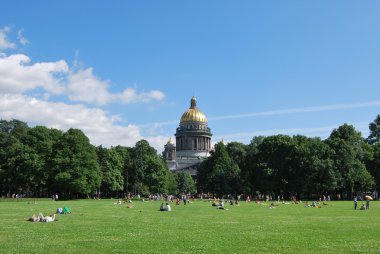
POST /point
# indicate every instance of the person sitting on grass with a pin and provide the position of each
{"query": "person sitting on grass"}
(168, 208)
(220, 205)
(362, 207)
(231, 202)
(162, 208)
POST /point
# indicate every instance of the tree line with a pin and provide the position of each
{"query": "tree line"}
(343, 165)
(41, 161)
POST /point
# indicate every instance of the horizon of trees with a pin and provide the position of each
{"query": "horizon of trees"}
(41, 161)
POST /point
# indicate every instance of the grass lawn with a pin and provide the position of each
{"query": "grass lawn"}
(99, 226)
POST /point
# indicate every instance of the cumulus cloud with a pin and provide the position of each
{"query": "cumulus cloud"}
(84, 86)
(18, 76)
(4, 42)
(99, 127)
(94, 122)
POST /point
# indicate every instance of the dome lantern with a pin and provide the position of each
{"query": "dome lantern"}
(193, 102)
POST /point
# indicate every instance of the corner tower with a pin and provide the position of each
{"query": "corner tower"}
(193, 136)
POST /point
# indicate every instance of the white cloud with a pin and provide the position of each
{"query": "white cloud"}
(21, 38)
(94, 122)
(4, 42)
(130, 95)
(18, 76)
(84, 86)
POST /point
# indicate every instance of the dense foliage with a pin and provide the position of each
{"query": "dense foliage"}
(343, 165)
(41, 162)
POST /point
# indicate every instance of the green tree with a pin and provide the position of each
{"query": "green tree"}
(374, 165)
(313, 158)
(350, 152)
(276, 172)
(219, 174)
(15, 128)
(238, 152)
(14, 157)
(125, 154)
(185, 182)
(172, 184)
(75, 166)
(250, 166)
(42, 140)
(374, 128)
(20, 169)
(111, 165)
(150, 172)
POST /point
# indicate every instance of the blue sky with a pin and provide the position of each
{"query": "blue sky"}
(126, 70)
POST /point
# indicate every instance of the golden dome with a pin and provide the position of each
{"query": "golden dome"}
(193, 114)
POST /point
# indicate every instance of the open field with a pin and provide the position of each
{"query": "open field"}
(99, 226)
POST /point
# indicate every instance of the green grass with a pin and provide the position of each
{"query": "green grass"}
(99, 226)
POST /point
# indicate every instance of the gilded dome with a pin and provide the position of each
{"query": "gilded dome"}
(193, 114)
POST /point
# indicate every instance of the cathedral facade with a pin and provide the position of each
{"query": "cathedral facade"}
(193, 141)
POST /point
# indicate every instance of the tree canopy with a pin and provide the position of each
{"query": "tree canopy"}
(39, 161)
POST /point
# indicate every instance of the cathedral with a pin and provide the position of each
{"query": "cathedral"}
(193, 141)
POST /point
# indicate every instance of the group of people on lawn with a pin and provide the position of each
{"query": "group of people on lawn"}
(41, 218)
(363, 207)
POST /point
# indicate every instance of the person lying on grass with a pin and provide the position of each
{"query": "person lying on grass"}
(34, 218)
(50, 218)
